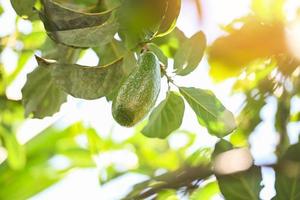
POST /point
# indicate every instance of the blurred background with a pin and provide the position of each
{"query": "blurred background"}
(251, 64)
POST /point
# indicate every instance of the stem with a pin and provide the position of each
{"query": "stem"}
(169, 79)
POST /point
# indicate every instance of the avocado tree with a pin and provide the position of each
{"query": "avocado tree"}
(139, 47)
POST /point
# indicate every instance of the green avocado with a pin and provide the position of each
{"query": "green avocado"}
(139, 92)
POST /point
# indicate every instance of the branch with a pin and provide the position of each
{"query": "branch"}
(170, 180)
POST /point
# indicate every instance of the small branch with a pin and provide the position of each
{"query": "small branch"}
(169, 79)
(171, 180)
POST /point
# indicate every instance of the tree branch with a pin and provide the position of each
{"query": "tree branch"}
(170, 180)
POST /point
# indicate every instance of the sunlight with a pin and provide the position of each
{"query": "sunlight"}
(292, 37)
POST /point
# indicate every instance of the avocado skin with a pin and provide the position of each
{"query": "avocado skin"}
(139, 92)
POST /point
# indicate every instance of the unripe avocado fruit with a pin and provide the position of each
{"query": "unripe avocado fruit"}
(139, 92)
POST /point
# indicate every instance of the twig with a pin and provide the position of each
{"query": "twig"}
(170, 180)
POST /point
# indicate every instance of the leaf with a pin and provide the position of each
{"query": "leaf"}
(242, 185)
(77, 29)
(111, 52)
(288, 182)
(1, 10)
(86, 37)
(287, 174)
(41, 96)
(189, 55)
(94, 141)
(292, 153)
(169, 20)
(57, 17)
(210, 111)
(24, 8)
(167, 195)
(83, 81)
(207, 192)
(158, 52)
(170, 43)
(221, 147)
(166, 117)
(139, 20)
(16, 152)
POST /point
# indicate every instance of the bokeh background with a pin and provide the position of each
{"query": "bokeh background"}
(61, 162)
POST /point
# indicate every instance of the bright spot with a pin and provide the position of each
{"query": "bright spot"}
(90, 58)
(123, 160)
(3, 154)
(292, 33)
(60, 162)
(24, 26)
(233, 161)
(9, 58)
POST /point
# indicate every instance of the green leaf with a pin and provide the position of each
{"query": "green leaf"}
(166, 117)
(57, 17)
(111, 52)
(288, 182)
(158, 52)
(207, 192)
(221, 147)
(16, 152)
(94, 141)
(86, 37)
(140, 20)
(167, 195)
(41, 96)
(169, 20)
(210, 111)
(287, 174)
(190, 54)
(24, 8)
(77, 29)
(33, 41)
(242, 185)
(170, 43)
(292, 153)
(1, 10)
(83, 81)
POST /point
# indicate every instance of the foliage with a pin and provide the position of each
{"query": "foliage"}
(121, 33)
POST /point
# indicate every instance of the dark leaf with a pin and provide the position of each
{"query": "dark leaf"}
(83, 81)
(41, 96)
(287, 173)
(242, 185)
(59, 18)
(24, 8)
(86, 37)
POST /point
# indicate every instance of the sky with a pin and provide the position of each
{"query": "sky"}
(83, 184)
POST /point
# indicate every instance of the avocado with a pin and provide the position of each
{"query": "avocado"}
(139, 92)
